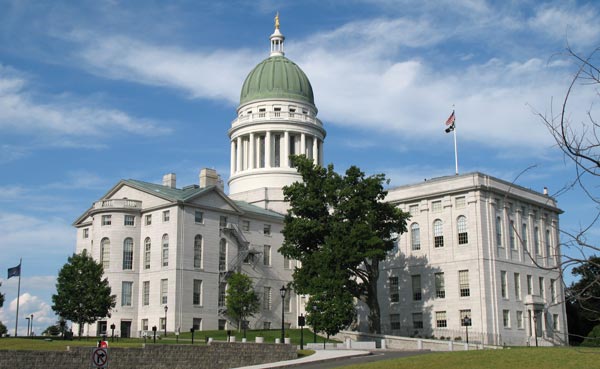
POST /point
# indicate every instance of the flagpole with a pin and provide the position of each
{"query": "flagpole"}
(455, 149)
(18, 295)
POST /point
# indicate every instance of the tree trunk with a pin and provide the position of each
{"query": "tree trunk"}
(80, 329)
(372, 301)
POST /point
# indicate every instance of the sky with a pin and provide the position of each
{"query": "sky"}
(92, 92)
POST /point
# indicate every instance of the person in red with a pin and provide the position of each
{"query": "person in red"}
(103, 343)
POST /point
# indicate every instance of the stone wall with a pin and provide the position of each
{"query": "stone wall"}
(217, 355)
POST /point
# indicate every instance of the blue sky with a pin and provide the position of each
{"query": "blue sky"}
(95, 91)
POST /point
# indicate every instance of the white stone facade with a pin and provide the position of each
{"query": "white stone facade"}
(478, 235)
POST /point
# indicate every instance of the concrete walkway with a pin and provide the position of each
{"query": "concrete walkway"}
(318, 356)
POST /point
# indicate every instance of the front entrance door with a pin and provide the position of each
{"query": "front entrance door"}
(125, 329)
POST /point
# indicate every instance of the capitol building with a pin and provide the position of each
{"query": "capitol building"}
(476, 246)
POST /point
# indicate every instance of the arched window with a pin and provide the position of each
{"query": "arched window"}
(548, 245)
(511, 236)
(105, 253)
(536, 240)
(438, 234)
(222, 255)
(128, 254)
(147, 252)
(415, 236)
(461, 227)
(165, 250)
(198, 251)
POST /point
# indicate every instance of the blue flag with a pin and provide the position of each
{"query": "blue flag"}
(14, 271)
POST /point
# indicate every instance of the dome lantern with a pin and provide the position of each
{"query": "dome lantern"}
(277, 39)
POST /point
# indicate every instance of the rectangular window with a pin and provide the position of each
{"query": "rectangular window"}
(146, 293)
(266, 325)
(463, 282)
(246, 225)
(553, 290)
(506, 318)
(555, 325)
(162, 322)
(440, 319)
(436, 206)
(541, 283)
(267, 230)
(166, 215)
(517, 286)
(503, 283)
(197, 298)
(416, 287)
(529, 285)
(144, 324)
(222, 221)
(417, 319)
(129, 220)
(536, 240)
(415, 237)
(148, 219)
(413, 209)
(440, 289)
(164, 291)
(460, 202)
(463, 314)
(266, 298)
(524, 236)
(106, 220)
(288, 263)
(197, 324)
(126, 289)
(198, 217)
(222, 294)
(498, 231)
(394, 295)
(86, 232)
(519, 319)
(511, 232)
(267, 255)
(395, 321)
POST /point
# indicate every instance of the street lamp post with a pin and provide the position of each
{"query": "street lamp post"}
(282, 292)
(112, 328)
(467, 323)
(314, 307)
(192, 330)
(28, 322)
(166, 308)
(154, 331)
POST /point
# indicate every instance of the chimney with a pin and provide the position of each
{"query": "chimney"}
(208, 177)
(169, 180)
(546, 191)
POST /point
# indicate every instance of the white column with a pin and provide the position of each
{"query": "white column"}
(315, 149)
(268, 151)
(285, 161)
(302, 145)
(251, 155)
(232, 159)
(239, 154)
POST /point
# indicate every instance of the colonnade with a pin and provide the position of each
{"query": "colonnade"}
(271, 149)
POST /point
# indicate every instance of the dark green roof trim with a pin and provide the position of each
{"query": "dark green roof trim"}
(277, 77)
(172, 194)
(249, 208)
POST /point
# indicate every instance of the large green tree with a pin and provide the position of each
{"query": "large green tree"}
(340, 229)
(82, 295)
(241, 300)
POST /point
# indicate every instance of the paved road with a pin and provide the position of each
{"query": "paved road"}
(377, 356)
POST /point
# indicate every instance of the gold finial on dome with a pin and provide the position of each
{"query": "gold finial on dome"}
(277, 20)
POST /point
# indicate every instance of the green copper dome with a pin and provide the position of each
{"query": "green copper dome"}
(277, 77)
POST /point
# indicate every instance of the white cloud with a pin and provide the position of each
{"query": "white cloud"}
(578, 26)
(213, 75)
(29, 305)
(61, 120)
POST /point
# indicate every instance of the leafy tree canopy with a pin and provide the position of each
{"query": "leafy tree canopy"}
(3, 329)
(241, 300)
(82, 295)
(340, 229)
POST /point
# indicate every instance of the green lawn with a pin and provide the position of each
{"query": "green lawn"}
(513, 358)
(39, 343)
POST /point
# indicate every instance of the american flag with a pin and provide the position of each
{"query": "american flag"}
(450, 119)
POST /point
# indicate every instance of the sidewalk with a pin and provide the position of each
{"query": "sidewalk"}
(318, 356)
